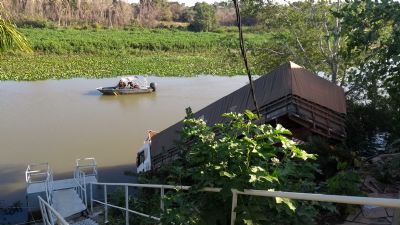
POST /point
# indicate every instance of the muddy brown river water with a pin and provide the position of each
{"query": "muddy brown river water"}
(58, 121)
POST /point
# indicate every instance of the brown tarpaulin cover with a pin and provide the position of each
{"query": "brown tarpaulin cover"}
(288, 79)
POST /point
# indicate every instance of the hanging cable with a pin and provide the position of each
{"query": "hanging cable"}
(243, 51)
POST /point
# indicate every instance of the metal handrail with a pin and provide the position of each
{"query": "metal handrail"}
(385, 202)
(91, 159)
(126, 187)
(44, 169)
(80, 176)
(49, 187)
(91, 163)
(354, 200)
(29, 172)
(80, 180)
(49, 215)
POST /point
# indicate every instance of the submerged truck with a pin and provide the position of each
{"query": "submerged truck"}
(290, 95)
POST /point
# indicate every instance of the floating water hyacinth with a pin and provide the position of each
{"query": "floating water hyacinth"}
(69, 53)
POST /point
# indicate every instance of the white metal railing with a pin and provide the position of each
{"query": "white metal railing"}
(84, 167)
(354, 200)
(126, 189)
(80, 188)
(385, 202)
(41, 173)
(87, 165)
(36, 173)
(49, 185)
(49, 215)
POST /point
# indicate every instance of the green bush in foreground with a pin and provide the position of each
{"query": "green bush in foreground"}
(239, 154)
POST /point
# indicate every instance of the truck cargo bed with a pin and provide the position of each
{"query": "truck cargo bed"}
(290, 95)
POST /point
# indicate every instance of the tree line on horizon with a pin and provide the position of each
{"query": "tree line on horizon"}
(114, 13)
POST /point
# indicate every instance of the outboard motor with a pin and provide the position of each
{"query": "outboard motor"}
(153, 86)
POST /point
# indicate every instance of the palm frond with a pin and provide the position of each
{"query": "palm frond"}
(11, 38)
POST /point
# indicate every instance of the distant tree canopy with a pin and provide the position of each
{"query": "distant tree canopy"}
(106, 13)
(204, 19)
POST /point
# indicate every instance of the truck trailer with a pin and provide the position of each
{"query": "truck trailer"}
(300, 100)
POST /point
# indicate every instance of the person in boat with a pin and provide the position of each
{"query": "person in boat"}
(121, 84)
(132, 83)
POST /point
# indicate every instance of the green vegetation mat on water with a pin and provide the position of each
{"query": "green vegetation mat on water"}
(69, 53)
(52, 66)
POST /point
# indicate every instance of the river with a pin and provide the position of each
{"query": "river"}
(58, 121)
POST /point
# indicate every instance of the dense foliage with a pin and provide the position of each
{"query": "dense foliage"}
(239, 154)
(373, 30)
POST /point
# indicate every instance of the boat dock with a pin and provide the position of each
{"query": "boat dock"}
(67, 196)
(39, 187)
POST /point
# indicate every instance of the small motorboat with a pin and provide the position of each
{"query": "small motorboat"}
(129, 85)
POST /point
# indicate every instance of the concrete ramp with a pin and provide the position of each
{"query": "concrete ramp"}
(67, 202)
(85, 222)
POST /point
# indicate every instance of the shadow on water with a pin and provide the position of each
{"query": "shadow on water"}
(92, 93)
(11, 173)
(127, 101)
(12, 197)
(13, 202)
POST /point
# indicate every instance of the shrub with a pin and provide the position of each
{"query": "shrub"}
(344, 183)
(238, 154)
(204, 19)
(32, 24)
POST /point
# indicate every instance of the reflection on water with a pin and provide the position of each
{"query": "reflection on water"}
(58, 121)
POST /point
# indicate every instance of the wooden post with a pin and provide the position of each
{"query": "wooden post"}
(91, 198)
(162, 199)
(105, 205)
(126, 205)
(396, 216)
(234, 205)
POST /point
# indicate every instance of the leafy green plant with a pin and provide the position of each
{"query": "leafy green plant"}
(344, 183)
(239, 154)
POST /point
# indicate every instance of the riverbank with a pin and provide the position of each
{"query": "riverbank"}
(69, 53)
